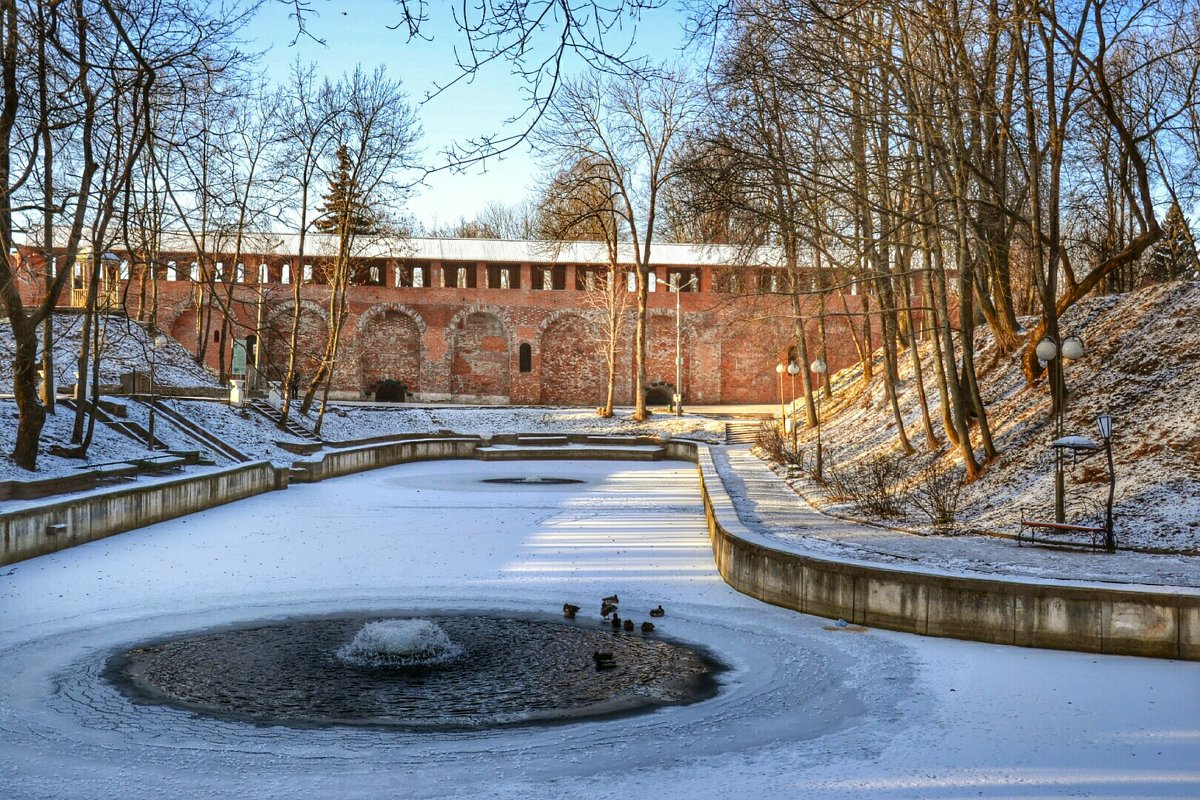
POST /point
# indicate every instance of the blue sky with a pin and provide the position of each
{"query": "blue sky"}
(357, 33)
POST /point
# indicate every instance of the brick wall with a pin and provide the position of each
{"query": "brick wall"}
(447, 343)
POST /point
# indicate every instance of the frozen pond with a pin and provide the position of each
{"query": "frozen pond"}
(800, 711)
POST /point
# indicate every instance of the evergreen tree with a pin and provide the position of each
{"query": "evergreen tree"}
(1174, 257)
(344, 210)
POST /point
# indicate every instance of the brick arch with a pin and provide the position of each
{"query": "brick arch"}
(384, 308)
(660, 350)
(389, 346)
(573, 367)
(480, 353)
(314, 332)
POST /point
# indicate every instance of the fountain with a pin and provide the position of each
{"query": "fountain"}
(429, 673)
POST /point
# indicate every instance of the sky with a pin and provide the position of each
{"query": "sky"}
(357, 32)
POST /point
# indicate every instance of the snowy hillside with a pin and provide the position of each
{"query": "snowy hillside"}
(124, 346)
(1142, 365)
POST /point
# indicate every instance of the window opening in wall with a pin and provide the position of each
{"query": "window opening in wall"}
(172, 271)
(285, 273)
(526, 357)
(418, 276)
(239, 273)
(460, 278)
(263, 274)
(219, 272)
(194, 271)
(77, 278)
(375, 275)
(123, 271)
(653, 280)
(631, 281)
(308, 273)
(216, 336)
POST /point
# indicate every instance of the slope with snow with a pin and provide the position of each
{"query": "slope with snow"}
(1141, 365)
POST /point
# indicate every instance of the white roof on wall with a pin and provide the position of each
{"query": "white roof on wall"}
(493, 250)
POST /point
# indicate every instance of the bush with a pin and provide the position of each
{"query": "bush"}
(936, 496)
(875, 485)
(777, 446)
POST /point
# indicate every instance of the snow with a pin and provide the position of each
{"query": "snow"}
(1141, 365)
(802, 711)
(346, 422)
(126, 346)
(769, 508)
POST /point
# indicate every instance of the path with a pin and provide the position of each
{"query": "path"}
(768, 506)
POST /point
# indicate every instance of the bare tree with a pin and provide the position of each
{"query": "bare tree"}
(628, 131)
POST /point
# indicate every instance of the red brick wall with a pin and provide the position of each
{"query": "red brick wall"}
(450, 343)
(573, 367)
(479, 356)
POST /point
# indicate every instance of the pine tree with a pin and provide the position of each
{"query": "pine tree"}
(344, 210)
(1174, 257)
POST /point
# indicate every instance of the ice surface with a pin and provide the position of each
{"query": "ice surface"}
(803, 712)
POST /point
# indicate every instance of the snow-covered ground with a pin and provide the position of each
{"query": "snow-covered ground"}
(802, 712)
(1141, 365)
(344, 422)
(125, 346)
(255, 436)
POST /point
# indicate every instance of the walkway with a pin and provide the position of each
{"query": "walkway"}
(769, 507)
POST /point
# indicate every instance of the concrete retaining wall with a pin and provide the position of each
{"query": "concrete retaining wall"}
(30, 532)
(374, 456)
(1149, 622)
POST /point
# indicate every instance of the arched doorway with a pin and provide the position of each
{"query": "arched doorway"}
(389, 349)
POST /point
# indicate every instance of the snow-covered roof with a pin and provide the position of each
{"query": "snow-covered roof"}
(421, 248)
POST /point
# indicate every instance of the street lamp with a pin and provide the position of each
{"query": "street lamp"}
(819, 367)
(676, 288)
(793, 369)
(159, 341)
(1104, 423)
(779, 369)
(1047, 350)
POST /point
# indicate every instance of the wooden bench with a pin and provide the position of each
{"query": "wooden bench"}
(161, 463)
(116, 472)
(1031, 526)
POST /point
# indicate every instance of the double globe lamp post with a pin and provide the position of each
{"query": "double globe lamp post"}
(1048, 350)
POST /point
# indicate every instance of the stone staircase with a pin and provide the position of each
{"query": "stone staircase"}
(204, 438)
(293, 426)
(106, 414)
(742, 431)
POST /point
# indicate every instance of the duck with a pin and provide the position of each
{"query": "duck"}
(658, 612)
(607, 608)
(603, 660)
(647, 627)
(611, 600)
(569, 611)
(616, 621)
(628, 624)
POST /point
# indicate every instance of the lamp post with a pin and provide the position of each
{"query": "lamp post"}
(675, 287)
(158, 342)
(1047, 350)
(779, 368)
(1104, 423)
(819, 367)
(793, 369)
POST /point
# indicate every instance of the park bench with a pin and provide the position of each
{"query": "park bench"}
(161, 463)
(115, 472)
(1035, 532)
